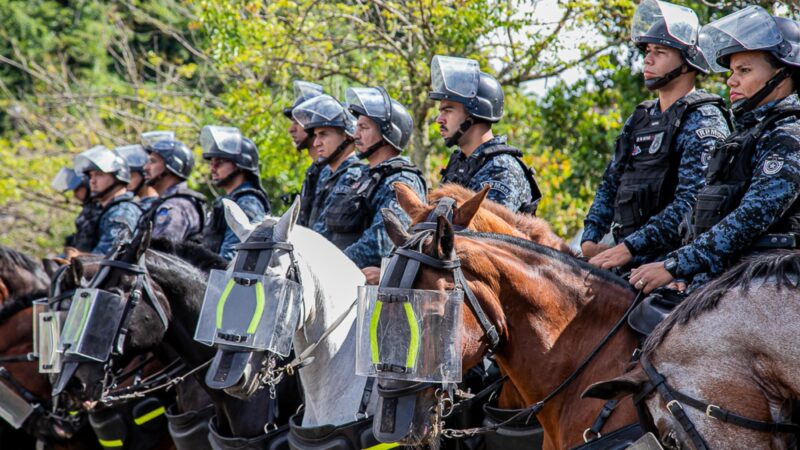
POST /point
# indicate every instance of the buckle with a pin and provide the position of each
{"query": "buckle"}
(709, 410)
(674, 402)
(587, 438)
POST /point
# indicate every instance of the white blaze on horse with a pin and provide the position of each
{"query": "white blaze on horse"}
(330, 280)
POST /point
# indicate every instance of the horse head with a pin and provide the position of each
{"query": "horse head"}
(118, 314)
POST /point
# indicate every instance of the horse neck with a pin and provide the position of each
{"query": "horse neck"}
(330, 282)
(16, 338)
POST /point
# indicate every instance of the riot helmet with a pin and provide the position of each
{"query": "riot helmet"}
(670, 25)
(325, 111)
(392, 118)
(228, 143)
(178, 158)
(460, 80)
(148, 138)
(68, 180)
(134, 155)
(752, 29)
(104, 160)
(303, 90)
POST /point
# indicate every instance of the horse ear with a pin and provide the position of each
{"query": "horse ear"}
(287, 222)
(463, 215)
(237, 220)
(394, 227)
(628, 384)
(76, 269)
(409, 200)
(444, 239)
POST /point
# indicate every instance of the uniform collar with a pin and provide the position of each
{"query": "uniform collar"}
(759, 113)
(390, 161)
(174, 188)
(349, 161)
(497, 140)
(243, 186)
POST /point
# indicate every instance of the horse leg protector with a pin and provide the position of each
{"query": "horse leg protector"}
(274, 440)
(189, 430)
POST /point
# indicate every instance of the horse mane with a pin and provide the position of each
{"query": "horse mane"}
(554, 254)
(16, 304)
(22, 260)
(782, 265)
(195, 254)
(534, 228)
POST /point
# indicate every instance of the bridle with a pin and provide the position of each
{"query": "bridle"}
(675, 405)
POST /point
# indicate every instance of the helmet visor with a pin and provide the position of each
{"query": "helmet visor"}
(375, 102)
(455, 76)
(66, 180)
(319, 109)
(149, 138)
(662, 20)
(133, 154)
(751, 28)
(303, 90)
(224, 139)
(97, 158)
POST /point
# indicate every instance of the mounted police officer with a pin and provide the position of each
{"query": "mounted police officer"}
(179, 212)
(108, 175)
(234, 168)
(353, 217)
(86, 223)
(470, 102)
(650, 185)
(136, 158)
(750, 201)
(303, 91)
(333, 128)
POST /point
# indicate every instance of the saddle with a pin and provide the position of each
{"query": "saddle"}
(653, 309)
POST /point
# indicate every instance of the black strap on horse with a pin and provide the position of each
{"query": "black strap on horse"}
(676, 399)
(141, 272)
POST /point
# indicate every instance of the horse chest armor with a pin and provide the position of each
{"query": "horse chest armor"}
(730, 169)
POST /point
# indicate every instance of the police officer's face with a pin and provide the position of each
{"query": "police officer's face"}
(297, 132)
(451, 115)
(221, 168)
(154, 166)
(81, 193)
(136, 180)
(750, 72)
(327, 140)
(367, 133)
(660, 60)
(100, 181)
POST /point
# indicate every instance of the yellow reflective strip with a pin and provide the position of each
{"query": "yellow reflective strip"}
(413, 331)
(111, 443)
(149, 416)
(72, 413)
(373, 332)
(259, 308)
(84, 316)
(383, 446)
(221, 305)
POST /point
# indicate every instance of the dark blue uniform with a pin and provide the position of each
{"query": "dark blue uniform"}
(119, 215)
(179, 214)
(329, 183)
(252, 206)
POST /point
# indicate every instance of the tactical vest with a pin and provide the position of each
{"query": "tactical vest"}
(460, 170)
(307, 194)
(649, 162)
(86, 226)
(729, 173)
(214, 230)
(197, 200)
(349, 215)
(319, 200)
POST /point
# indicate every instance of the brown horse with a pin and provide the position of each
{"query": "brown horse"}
(544, 293)
(19, 274)
(732, 344)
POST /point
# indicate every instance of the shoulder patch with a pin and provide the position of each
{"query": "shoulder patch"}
(499, 186)
(162, 215)
(709, 111)
(703, 133)
(772, 165)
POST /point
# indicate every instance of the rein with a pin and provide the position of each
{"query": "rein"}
(676, 399)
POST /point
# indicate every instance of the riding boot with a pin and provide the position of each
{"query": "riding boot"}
(189, 430)
(277, 439)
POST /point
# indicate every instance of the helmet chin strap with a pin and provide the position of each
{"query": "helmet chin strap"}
(372, 149)
(223, 181)
(345, 143)
(465, 125)
(305, 143)
(101, 194)
(659, 82)
(154, 180)
(741, 106)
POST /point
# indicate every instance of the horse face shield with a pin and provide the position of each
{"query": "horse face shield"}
(92, 325)
(14, 409)
(46, 331)
(250, 312)
(409, 334)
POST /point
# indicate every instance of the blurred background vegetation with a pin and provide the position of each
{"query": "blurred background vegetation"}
(74, 74)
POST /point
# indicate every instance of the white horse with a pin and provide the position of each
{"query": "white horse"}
(330, 280)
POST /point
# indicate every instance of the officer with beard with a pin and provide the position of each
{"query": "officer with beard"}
(303, 91)
(108, 177)
(87, 221)
(234, 168)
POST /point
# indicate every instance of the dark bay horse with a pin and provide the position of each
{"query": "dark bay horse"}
(179, 287)
(19, 274)
(530, 292)
(731, 344)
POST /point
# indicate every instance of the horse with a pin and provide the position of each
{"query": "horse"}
(528, 293)
(19, 274)
(177, 288)
(730, 348)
